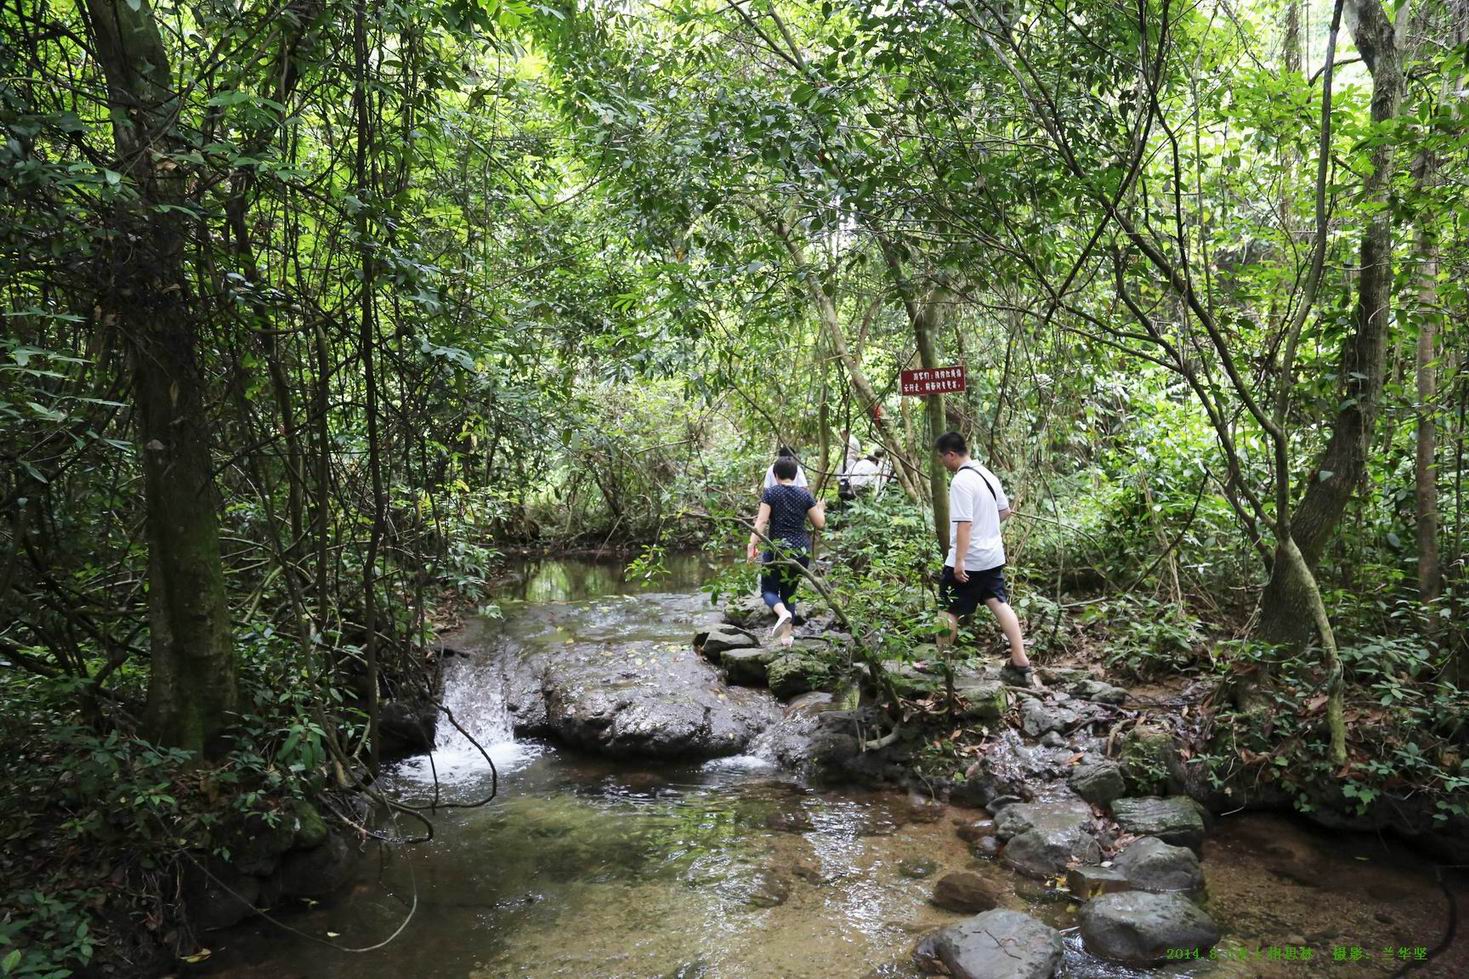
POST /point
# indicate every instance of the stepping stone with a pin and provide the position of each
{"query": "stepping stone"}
(984, 698)
(1139, 928)
(999, 944)
(747, 665)
(1085, 883)
(1173, 820)
(967, 893)
(1103, 693)
(1098, 782)
(1153, 865)
(723, 637)
(1038, 717)
(1046, 837)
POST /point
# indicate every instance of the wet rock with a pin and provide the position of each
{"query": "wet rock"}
(1020, 817)
(256, 844)
(907, 679)
(972, 830)
(1139, 928)
(1146, 754)
(998, 944)
(641, 699)
(1104, 693)
(768, 890)
(320, 871)
(797, 672)
(1056, 676)
(1153, 865)
(406, 728)
(1085, 883)
(1009, 767)
(1046, 853)
(966, 893)
(1046, 837)
(217, 895)
(795, 821)
(309, 828)
(748, 612)
(1098, 782)
(722, 637)
(986, 847)
(925, 810)
(1037, 717)
(694, 969)
(1175, 819)
(983, 698)
(1052, 739)
(918, 867)
(747, 666)
(808, 871)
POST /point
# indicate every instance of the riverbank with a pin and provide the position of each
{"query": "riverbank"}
(600, 859)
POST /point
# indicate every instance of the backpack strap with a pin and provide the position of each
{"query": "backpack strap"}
(983, 480)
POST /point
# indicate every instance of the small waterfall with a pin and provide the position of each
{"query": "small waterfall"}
(474, 693)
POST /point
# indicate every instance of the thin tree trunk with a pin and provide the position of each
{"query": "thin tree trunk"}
(927, 322)
(192, 686)
(1343, 464)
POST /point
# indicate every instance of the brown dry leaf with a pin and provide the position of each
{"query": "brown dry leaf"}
(197, 957)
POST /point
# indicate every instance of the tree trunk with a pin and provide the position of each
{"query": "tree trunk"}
(1425, 469)
(1343, 464)
(927, 322)
(192, 686)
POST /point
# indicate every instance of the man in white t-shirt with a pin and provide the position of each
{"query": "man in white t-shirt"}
(863, 475)
(785, 452)
(974, 571)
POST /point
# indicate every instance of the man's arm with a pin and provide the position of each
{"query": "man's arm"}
(961, 545)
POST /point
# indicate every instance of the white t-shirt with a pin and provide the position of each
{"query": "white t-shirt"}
(862, 474)
(970, 499)
(770, 478)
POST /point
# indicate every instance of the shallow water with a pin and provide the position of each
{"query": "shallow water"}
(584, 866)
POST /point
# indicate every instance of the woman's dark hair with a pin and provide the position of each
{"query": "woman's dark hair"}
(950, 442)
(785, 468)
(785, 451)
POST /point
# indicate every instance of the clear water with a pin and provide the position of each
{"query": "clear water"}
(588, 867)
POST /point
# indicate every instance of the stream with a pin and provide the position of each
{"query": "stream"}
(587, 866)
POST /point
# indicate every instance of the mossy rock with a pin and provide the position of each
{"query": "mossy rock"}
(310, 829)
(797, 672)
(256, 845)
(1146, 752)
(984, 699)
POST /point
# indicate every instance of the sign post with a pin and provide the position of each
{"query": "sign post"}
(938, 380)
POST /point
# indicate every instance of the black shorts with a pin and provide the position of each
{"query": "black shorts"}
(962, 597)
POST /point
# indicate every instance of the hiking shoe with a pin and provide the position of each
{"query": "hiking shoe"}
(1020, 676)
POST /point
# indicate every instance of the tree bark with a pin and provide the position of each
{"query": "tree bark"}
(192, 685)
(1343, 463)
(927, 322)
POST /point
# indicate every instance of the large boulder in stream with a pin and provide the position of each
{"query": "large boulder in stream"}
(1139, 928)
(1152, 865)
(1175, 820)
(1047, 837)
(647, 699)
(999, 944)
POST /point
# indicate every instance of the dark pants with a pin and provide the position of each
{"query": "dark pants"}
(778, 585)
